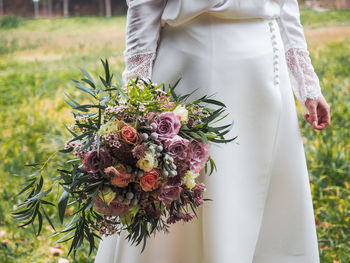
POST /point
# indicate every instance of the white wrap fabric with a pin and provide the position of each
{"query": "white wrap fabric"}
(262, 206)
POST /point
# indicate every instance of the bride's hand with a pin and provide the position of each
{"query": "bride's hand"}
(318, 115)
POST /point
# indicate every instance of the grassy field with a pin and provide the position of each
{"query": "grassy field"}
(37, 60)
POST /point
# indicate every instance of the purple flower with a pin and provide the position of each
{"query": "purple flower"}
(177, 147)
(197, 194)
(91, 162)
(115, 208)
(167, 126)
(169, 193)
(175, 217)
(139, 151)
(198, 155)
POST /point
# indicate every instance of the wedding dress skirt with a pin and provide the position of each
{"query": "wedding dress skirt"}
(262, 208)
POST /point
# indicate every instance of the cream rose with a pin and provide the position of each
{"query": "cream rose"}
(182, 113)
(107, 194)
(190, 179)
(148, 162)
(108, 127)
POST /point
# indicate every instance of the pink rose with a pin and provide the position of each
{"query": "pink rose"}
(119, 176)
(149, 181)
(129, 134)
(169, 193)
(167, 126)
(177, 147)
(91, 162)
(198, 155)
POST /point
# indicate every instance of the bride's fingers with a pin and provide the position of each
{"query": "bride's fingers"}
(307, 118)
(324, 118)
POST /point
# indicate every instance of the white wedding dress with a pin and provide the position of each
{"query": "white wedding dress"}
(253, 55)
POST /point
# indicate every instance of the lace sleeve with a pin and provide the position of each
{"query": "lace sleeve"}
(304, 80)
(143, 23)
(138, 65)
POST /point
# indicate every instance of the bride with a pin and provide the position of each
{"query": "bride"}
(252, 54)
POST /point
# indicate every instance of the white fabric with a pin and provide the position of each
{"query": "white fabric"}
(145, 19)
(305, 82)
(262, 208)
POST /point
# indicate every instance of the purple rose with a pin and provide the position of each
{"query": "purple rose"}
(167, 126)
(198, 155)
(177, 147)
(91, 162)
(169, 193)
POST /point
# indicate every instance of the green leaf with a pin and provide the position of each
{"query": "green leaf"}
(81, 87)
(35, 197)
(90, 81)
(47, 218)
(68, 150)
(81, 136)
(215, 102)
(40, 223)
(74, 102)
(27, 187)
(35, 173)
(73, 133)
(62, 205)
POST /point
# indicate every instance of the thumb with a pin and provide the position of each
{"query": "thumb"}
(313, 120)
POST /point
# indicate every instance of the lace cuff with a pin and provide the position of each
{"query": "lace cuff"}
(305, 82)
(138, 65)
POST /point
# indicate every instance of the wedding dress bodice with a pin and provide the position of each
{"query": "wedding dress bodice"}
(145, 19)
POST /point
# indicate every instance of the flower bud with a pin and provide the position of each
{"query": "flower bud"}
(154, 136)
(130, 195)
(165, 172)
(159, 148)
(144, 136)
(140, 173)
(153, 126)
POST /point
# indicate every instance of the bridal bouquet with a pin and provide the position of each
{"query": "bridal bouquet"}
(138, 150)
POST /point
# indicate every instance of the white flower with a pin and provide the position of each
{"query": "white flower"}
(108, 127)
(148, 162)
(181, 112)
(190, 179)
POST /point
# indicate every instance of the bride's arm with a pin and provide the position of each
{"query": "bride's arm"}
(142, 33)
(305, 83)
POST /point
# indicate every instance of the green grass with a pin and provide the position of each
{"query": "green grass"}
(37, 60)
(325, 18)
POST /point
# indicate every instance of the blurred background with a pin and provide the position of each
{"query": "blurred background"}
(42, 44)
